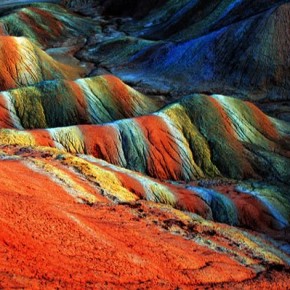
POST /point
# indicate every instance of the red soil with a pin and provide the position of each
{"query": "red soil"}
(252, 213)
(9, 56)
(120, 94)
(79, 99)
(5, 118)
(55, 26)
(187, 200)
(229, 131)
(42, 137)
(230, 138)
(131, 183)
(49, 240)
(42, 35)
(164, 157)
(263, 122)
(102, 142)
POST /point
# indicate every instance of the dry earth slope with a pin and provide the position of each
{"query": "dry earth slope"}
(104, 185)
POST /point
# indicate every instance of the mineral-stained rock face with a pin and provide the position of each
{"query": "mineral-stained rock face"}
(240, 57)
(42, 224)
(199, 136)
(161, 178)
(46, 24)
(62, 103)
(23, 63)
(237, 48)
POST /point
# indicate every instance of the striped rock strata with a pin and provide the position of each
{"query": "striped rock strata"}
(23, 63)
(199, 136)
(83, 221)
(237, 48)
(46, 24)
(41, 225)
(61, 103)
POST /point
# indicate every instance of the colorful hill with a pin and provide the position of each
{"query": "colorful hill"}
(61, 103)
(23, 63)
(169, 175)
(199, 136)
(46, 24)
(236, 48)
(42, 225)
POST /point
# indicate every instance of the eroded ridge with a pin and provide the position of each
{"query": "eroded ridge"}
(149, 241)
(61, 103)
(199, 136)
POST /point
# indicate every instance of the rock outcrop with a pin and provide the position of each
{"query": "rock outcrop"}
(199, 136)
(236, 48)
(61, 103)
(160, 177)
(43, 224)
(23, 63)
(46, 24)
